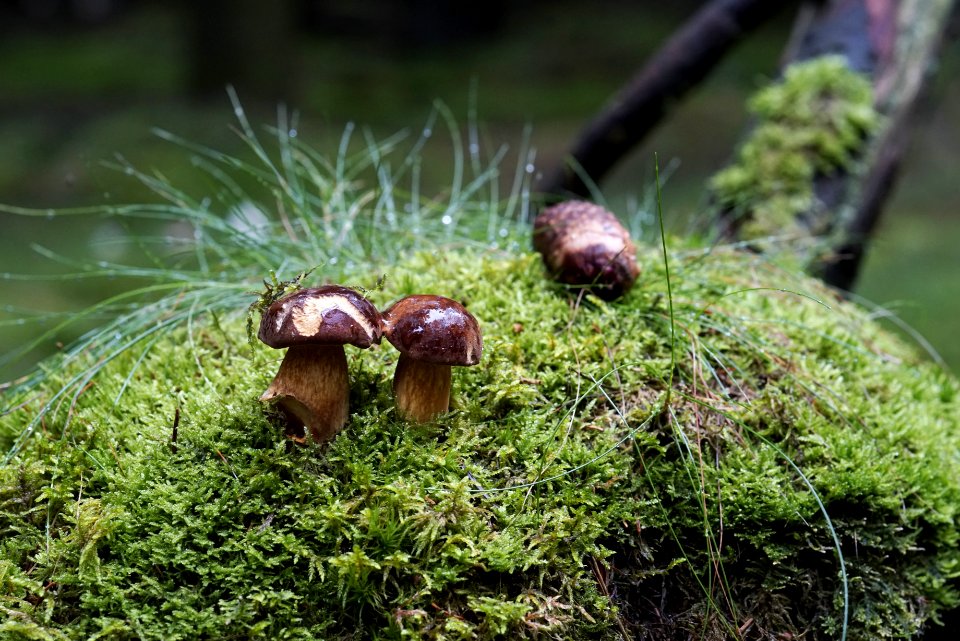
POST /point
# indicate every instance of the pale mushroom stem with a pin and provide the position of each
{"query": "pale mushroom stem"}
(422, 390)
(312, 389)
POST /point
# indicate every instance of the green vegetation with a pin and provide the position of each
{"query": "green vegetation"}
(561, 495)
(815, 122)
(742, 450)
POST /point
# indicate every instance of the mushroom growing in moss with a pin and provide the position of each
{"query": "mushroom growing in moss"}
(433, 334)
(584, 244)
(311, 386)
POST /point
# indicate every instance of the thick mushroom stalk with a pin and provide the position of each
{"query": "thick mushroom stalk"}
(311, 387)
(433, 334)
(421, 389)
(312, 390)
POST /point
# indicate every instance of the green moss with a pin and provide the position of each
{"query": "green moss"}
(814, 122)
(559, 499)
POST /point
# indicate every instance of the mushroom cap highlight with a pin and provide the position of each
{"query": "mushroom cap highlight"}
(433, 329)
(327, 315)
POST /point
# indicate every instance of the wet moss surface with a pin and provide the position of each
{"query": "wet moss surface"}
(595, 479)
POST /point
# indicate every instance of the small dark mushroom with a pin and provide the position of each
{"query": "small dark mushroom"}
(584, 244)
(311, 386)
(433, 334)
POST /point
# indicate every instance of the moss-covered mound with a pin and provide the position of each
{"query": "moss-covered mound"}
(781, 466)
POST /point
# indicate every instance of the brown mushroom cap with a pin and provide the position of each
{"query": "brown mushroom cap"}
(584, 244)
(433, 329)
(327, 315)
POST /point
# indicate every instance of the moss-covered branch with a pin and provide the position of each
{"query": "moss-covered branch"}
(815, 122)
(838, 199)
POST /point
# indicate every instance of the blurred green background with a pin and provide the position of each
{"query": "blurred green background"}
(85, 81)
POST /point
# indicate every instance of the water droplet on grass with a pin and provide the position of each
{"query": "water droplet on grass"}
(530, 168)
(427, 132)
(446, 220)
(503, 232)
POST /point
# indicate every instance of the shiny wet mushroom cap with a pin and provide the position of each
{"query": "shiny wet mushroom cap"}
(327, 315)
(311, 386)
(432, 334)
(584, 244)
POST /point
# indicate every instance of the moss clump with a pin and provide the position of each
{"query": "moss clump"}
(814, 122)
(568, 495)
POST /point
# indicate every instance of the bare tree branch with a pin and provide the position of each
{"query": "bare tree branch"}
(677, 67)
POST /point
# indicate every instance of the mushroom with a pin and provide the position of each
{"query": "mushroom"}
(433, 334)
(311, 385)
(584, 244)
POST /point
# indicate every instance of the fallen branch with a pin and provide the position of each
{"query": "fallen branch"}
(678, 66)
(896, 43)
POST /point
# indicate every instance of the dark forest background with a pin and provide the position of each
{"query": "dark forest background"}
(84, 80)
